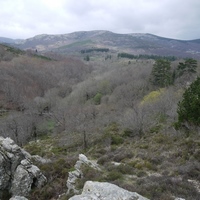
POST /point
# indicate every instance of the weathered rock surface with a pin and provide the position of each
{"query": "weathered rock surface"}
(17, 174)
(39, 159)
(18, 198)
(106, 191)
(77, 173)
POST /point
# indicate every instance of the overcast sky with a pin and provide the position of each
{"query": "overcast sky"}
(178, 19)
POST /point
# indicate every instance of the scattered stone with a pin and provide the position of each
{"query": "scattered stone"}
(106, 191)
(41, 160)
(84, 160)
(116, 163)
(77, 173)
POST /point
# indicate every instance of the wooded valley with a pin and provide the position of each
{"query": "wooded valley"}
(135, 111)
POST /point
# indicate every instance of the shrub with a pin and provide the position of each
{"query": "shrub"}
(97, 98)
(141, 173)
(56, 173)
(161, 138)
(122, 155)
(59, 150)
(128, 132)
(112, 134)
(116, 140)
(102, 160)
(139, 165)
(166, 187)
(156, 128)
(112, 128)
(152, 97)
(114, 175)
(125, 169)
(35, 149)
(190, 170)
(119, 157)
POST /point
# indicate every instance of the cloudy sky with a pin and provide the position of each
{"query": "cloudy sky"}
(179, 19)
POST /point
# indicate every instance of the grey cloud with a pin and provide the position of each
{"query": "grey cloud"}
(167, 18)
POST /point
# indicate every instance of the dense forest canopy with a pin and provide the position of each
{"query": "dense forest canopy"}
(77, 95)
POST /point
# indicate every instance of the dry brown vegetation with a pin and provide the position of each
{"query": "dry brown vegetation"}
(107, 109)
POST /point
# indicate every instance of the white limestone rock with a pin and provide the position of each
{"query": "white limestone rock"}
(77, 173)
(17, 174)
(106, 191)
(26, 177)
(18, 198)
(39, 159)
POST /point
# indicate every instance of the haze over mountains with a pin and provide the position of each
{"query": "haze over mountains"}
(135, 43)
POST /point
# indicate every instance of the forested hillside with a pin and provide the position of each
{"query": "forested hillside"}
(112, 108)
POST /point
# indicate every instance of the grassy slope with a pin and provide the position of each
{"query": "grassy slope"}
(160, 164)
(157, 165)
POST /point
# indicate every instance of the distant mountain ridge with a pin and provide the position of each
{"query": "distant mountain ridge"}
(135, 43)
(10, 41)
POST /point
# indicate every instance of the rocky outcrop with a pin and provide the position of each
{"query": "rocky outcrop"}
(106, 191)
(96, 190)
(17, 174)
(77, 173)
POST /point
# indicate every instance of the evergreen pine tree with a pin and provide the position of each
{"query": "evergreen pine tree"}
(161, 73)
(188, 67)
(189, 107)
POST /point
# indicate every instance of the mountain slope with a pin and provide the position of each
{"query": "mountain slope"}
(6, 40)
(9, 40)
(137, 43)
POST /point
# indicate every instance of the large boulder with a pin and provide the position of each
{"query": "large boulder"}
(17, 174)
(106, 191)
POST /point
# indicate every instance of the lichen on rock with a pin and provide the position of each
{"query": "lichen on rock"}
(106, 191)
(17, 173)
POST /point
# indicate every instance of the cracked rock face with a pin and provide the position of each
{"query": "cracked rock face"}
(17, 174)
(96, 190)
